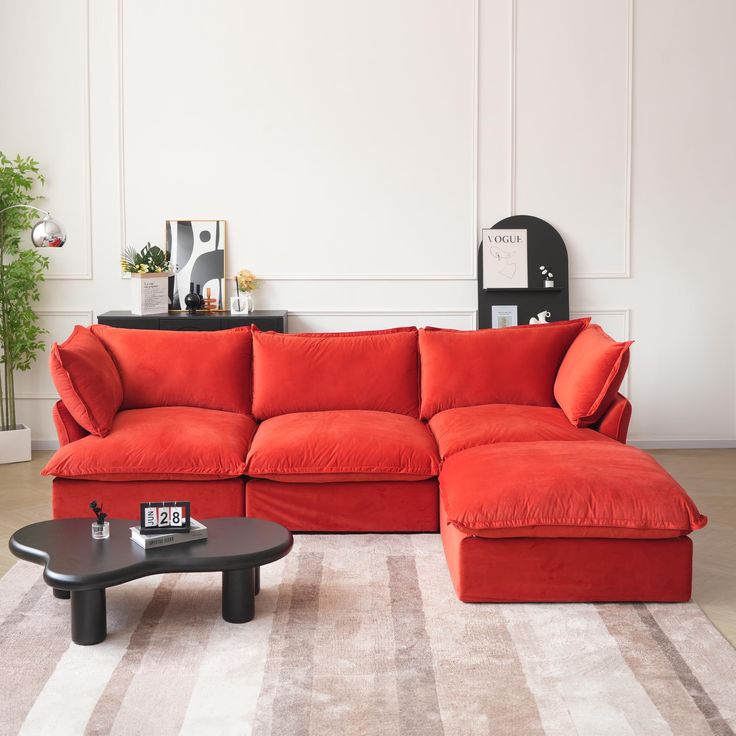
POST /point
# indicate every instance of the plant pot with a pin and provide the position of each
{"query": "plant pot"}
(15, 445)
(150, 293)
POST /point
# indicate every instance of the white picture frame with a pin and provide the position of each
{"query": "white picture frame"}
(505, 259)
(504, 315)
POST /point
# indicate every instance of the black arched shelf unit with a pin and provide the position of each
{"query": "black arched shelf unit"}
(545, 247)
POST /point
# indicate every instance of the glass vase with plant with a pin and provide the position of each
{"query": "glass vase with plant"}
(245, 284)
(21, 272)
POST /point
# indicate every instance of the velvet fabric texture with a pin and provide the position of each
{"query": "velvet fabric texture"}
(209, 499)
(564, 489)
(209, 370)
(87, 380)
(384, 506)
(514, 365)
(615, 421)
(168, 443)
(566, 570)
(67, 429)
(316, 372)
(470, 426)
(590, 375)
(338, 446)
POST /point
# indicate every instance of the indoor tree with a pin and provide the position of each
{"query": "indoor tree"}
(21, 271)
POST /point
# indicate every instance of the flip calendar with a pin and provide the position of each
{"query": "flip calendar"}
(165, 516)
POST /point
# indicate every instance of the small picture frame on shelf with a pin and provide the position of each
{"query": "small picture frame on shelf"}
(504, 315)
(505, 259)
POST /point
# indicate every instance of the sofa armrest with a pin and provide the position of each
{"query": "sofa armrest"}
(615, 422)
(66, 427)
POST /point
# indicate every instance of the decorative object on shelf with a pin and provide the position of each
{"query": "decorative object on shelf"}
(21, 271)
(100, 527)
(541, 318)
(209, 303)
(193, 300)
(504, 315)
(165, 516)
(150, 269)
(549, 277)
(505, 259)
(197, 250)
(544, 292)
(245, 284)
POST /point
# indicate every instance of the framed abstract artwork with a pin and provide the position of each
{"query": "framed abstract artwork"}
(197, 252)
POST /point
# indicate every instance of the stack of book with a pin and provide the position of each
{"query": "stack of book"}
(196, 532)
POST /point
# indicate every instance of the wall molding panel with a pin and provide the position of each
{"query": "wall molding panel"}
(473, 235)
(625, 242)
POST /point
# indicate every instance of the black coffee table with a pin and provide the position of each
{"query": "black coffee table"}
(76, 564)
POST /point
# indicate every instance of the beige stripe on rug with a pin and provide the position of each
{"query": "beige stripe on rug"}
(358, 634)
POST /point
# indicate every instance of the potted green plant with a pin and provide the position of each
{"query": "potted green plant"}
(149, 268)
(21, 271)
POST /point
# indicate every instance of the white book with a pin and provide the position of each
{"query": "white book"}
(197, 531)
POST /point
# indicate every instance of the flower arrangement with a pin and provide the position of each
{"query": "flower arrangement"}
(150, 259)
(245, 280)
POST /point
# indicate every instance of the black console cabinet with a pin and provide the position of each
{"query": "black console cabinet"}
(202, 321)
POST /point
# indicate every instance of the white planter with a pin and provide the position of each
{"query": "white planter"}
(15, 445)
(150, 293)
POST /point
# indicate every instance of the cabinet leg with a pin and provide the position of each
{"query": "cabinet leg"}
(238, 595)
(63, 594)
(89, 616)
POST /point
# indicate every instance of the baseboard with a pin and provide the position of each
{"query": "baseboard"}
(44, 445)
(680, 444)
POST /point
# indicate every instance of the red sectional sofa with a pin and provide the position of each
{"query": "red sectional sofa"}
(510, 442)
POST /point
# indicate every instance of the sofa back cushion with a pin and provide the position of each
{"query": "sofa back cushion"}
(375, 370)
(87, 381)
(590, 375)
(209, 370)
(513, 365)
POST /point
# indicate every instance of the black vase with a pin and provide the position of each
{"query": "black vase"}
(193, 302)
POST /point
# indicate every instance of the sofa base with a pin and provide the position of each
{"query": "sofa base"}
(528, 570)
(377, 506)
(121, 500)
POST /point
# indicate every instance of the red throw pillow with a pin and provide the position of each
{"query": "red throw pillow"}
(590, 375)
(513, 365)
(207, 370)
(87, 380)
(375, 370)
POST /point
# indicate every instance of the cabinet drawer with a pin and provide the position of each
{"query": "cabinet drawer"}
(190, 324)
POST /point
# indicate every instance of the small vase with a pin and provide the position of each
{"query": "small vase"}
(242, 304)
(100, 531)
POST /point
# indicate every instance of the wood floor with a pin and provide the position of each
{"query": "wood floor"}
(708, 475)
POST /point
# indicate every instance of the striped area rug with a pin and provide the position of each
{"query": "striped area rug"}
(358, 635)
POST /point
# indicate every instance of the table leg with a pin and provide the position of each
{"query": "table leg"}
(63, 594)
(89, 620)
(238, 595)
(257, 580)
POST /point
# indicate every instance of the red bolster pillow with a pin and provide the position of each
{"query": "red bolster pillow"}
(590, 375)
(87, 380)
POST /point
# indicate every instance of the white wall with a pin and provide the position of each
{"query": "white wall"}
(356, 149)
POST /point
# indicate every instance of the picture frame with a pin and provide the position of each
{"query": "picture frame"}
(505, 259)
(196, 249)
(504, 315)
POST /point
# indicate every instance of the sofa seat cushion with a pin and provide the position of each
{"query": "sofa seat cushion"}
(564, 489)
(459, 429)
(347, 445)
(165, 443)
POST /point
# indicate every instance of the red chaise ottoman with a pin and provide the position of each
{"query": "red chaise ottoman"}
(565, 521)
